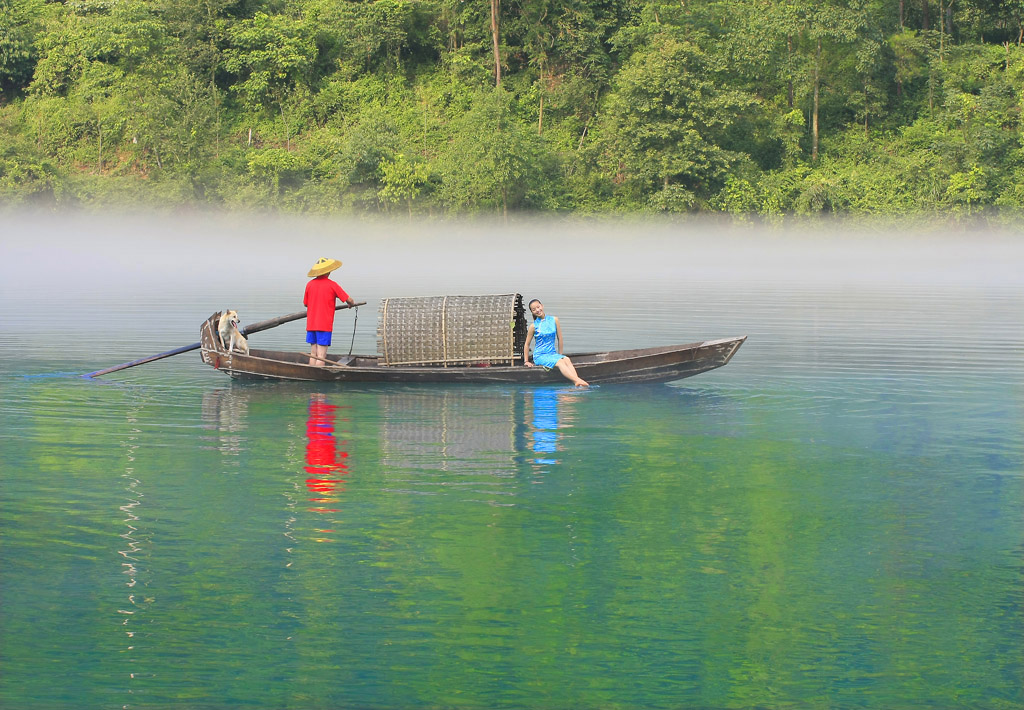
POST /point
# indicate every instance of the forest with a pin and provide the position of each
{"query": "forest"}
(490, 107)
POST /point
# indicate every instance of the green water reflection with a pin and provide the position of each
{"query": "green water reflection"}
(286, 546)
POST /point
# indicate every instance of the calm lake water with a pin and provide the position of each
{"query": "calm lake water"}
(833, 520)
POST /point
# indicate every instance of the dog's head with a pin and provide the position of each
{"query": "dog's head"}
(229, 319)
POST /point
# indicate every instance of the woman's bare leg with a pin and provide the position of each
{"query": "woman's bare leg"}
(565, 366)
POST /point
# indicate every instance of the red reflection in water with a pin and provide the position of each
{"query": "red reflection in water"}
(326, 465)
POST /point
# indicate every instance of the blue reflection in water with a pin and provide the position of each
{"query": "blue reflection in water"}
(545, 424)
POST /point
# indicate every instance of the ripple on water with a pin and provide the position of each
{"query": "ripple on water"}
(835, 514)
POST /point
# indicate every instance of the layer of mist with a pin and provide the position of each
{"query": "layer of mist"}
(122, 287)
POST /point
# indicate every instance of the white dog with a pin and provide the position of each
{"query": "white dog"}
(230, 336)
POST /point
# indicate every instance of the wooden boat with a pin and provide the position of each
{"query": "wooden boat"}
(658, 364)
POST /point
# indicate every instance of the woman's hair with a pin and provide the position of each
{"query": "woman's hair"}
(535, 300)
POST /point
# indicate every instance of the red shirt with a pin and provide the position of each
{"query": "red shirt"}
(319, 302)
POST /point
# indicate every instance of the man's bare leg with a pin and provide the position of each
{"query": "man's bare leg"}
(317, 354)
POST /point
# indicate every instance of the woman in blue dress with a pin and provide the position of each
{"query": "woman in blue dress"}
(547, 334)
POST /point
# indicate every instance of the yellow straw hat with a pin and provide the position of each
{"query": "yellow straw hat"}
(323, 266)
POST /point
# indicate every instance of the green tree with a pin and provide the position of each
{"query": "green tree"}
(198, 27)
(271, 55)
(402, 180)
(278, 169)
(493, 159)
(967, 189)
(663, 124)
(20, 21)
(174, 120)
(910, 52)
(124, 35)
(801, 45)
(102, 107)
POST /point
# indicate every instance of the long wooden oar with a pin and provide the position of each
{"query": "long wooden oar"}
(254, 328)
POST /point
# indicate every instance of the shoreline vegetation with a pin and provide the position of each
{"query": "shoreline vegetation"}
(750, 109)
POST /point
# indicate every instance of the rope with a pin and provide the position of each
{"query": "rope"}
(444, 331)
(354, 321)
(382, 330)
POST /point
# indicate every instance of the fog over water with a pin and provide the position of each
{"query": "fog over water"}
(224, 253)
(135, 285)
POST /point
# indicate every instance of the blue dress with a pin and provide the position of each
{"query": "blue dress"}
(545, 349)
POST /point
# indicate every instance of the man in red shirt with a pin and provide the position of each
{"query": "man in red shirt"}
(319, 301)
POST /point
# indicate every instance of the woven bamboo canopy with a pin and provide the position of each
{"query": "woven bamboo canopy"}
(451, 330)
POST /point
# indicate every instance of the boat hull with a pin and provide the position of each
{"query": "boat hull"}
(660, 364)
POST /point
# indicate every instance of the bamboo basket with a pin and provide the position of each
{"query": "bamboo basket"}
(451, 331)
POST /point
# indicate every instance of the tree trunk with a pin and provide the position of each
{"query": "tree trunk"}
(99, 151)
(216, 112)
(789, 58)
(925, 23)
(901, 15)
(495, 7)
(814, 117)
(584, 134)
(867, 98)
(287, 135)
(942, 35)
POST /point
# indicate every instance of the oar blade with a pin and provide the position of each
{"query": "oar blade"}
(142, 361)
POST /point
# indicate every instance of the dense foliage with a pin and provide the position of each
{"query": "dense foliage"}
(461, 106)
